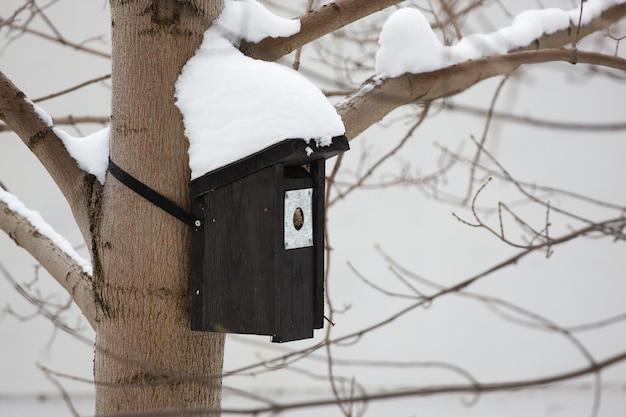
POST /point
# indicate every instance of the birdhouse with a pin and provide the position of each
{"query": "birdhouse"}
(258, 259)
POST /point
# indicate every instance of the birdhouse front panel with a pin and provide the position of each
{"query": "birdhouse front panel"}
(239, 251)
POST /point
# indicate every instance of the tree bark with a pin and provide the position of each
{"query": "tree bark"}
(147, 358)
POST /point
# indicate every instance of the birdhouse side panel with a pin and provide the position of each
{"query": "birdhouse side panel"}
(318, 172)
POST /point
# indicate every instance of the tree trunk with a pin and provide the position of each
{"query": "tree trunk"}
(147, 358)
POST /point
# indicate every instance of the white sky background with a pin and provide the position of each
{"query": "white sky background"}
(581, 282)
(46, 70)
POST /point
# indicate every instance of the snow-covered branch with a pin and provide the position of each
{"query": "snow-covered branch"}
(314, 25)
(379, 95)
(53, 252)
(378, 98)
(34, 127)
(574, 32)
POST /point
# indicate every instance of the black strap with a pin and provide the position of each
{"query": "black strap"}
(153, 196)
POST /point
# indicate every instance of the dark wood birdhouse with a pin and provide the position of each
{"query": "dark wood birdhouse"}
(258, 260)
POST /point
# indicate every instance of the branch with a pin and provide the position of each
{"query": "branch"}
(426, 300)
(475, 388)
(78, 47)
(359, 183)
(63, 267)
(535, 121)
(21, 116)
(314, 25)
(575, 33)
(71, 120)
(379, 97)
(73, 88)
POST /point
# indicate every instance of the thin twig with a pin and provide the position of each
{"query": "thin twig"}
(70, 89)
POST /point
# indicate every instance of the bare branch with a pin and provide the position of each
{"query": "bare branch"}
(535, 121)
(64, 394)
(73, 88)
(475, 388)
(483, 139)
(71, 120)
(393, 151)
(526, 188)
(613, 228)
(424, 300)
(43, 305)
(298, 54)
(62, 41)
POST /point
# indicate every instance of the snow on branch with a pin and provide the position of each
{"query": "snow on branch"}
(314, 25)
(35, 129)
(90, 152)
(408, 44)
(384, 93)
(28, 229)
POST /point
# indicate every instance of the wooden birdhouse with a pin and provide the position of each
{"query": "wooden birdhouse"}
(258, 260)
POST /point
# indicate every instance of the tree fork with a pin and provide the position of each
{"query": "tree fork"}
(21, 116)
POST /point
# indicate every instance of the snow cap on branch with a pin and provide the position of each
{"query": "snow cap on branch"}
(409, 45)
(234, 106)
(249, 20)
(90, 152)
(35, 219)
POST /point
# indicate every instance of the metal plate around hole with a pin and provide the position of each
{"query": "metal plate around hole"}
(295, 199)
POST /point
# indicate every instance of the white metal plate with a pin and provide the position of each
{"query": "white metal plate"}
(298, 228)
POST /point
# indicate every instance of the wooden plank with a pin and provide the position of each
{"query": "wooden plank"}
(295, 318)
(238, 260)
(318, 172)
(196, 279)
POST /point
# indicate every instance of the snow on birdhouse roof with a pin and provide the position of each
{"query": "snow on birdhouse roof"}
(234, 106)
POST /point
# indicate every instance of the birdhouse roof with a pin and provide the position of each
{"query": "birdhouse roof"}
(290, 152)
